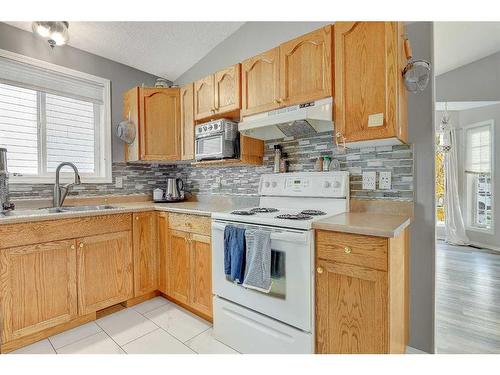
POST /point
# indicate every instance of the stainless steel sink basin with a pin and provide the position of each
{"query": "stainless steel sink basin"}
(56, 210)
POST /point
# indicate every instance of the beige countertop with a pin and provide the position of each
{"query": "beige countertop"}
(366, 223)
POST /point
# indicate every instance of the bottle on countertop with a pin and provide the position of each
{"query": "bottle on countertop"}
(318, 166)
(277, 158)
(326, 164)
(284, 163)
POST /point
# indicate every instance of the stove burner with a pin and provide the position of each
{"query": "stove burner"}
(294, 217)
(243, 213)
(313, 212)
(264, 209)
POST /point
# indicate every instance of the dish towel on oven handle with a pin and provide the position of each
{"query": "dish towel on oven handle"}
(258, 260)
(234, 253)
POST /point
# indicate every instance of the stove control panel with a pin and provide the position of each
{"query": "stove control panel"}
(306, 184)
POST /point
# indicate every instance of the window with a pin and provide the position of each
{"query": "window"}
(478, 175)
(50, 114)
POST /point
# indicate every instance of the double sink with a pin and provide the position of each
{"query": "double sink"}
(56, 210)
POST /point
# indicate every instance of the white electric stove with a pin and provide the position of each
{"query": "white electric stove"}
(281, 321)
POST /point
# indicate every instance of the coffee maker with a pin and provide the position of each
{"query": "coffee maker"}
(5, 204)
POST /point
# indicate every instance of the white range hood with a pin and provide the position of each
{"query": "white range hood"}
(294, 121)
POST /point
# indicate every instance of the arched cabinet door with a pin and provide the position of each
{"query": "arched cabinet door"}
(227, 89)
(260, 83)
(160, 124)
(306, 67)
(204, 105)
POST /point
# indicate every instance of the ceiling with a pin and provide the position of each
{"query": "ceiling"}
(460, 43)
(165, 49)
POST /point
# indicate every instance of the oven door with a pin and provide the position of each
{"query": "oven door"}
(210, 147)
(290, 298)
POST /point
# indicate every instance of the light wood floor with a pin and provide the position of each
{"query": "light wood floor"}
(467, 300)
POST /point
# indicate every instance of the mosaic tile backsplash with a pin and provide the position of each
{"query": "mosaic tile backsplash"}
(243, 180)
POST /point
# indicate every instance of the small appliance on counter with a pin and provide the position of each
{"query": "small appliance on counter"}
(5, 204)
(218, 139)
(173, 193)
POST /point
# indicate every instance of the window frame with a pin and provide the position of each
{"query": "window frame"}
(468, 204)
(103, 148)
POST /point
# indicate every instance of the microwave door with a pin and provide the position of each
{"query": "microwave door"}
(209, 147)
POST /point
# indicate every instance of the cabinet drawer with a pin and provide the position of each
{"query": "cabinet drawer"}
(350, 248)
(189, 223)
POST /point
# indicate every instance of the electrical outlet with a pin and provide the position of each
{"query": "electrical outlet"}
(369, 180)
(384, 180)
(118, 182)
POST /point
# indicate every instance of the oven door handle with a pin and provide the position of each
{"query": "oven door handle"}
(276, 236)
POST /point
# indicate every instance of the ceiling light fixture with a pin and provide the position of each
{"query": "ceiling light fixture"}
(55, 32)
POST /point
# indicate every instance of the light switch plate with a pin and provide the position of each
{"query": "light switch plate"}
(376, 119)
(119, 182)
(369, 180)
(384, 180)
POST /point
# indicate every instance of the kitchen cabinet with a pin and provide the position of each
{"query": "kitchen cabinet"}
(361, 293)
(260, 83)
(306, 67)
(163, 246)
(218, 94)
(189, 258)
(156, 115)
(187, 122)
(37, 287)
(105, 271)
(145, 253)
(370, 96)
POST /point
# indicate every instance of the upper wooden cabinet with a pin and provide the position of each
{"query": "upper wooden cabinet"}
(306, 67)
(105, 271)
(156, 113)
(298, 71)
(145, 253)
(260, 82)
(37, 288)
(370, 97)
(187, 122)
(218, 93)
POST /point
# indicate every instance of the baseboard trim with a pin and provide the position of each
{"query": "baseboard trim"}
(412, 350)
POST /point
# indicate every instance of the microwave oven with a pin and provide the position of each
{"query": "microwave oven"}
(217, 139)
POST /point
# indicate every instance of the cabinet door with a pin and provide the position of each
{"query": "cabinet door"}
(366, 80)
(131, 112)
(187, 122)
(306, 67)
(37, 287)
(228, 89)
(351, 309)
(145, 253)
(201, 274)
(160, 124)
(163, 249)
(180, 265)
(204, 98)
(105, 271)
(260, 82)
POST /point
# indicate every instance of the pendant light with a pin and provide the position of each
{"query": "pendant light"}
(444, 142)
(55, 32)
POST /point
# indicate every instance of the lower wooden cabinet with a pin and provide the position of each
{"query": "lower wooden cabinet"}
(180, 265)
(105, 271)
(201, 273)
(37, 287)
(361, 293)
(145, 253)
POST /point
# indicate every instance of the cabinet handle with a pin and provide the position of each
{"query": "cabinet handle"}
(319, 270)
(81, 245)
(72, 247)
(137, 218)
(277, 101)
(347, 250)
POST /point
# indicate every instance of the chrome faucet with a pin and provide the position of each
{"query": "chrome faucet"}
(60, 192)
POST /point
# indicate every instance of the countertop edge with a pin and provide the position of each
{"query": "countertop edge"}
(366, 231)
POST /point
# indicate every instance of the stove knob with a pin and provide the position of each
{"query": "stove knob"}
(205, 128)
(267, 184)
(326, 184)
(337, 184)
(210, 127)
(274, 184)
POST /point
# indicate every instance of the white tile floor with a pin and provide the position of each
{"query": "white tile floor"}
(156, 326)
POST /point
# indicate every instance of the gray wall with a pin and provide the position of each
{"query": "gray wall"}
(422, 247)
(477, 81)
(250, 39)
(122, 77)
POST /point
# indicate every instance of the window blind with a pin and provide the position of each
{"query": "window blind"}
(478, 146)
(38, 78)
(19, 128)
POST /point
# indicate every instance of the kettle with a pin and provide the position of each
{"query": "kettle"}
(174, 189)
